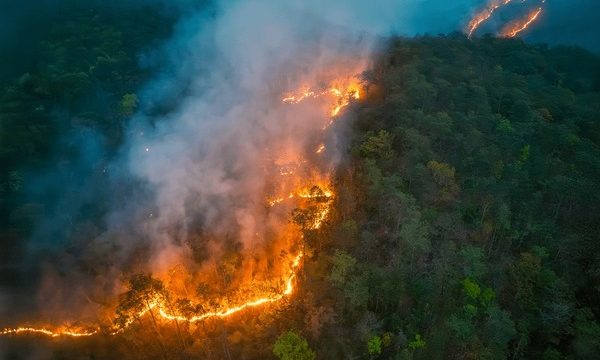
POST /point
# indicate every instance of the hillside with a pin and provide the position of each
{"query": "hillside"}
(470, 217)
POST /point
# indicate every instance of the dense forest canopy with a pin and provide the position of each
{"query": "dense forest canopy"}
(466, 223)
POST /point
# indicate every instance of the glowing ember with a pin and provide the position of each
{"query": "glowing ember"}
(514, 28)
(320, 149)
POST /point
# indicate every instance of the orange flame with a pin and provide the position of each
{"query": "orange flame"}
(510, 30)
(516, 27)
(342, 98)
(51, 333)
(161, 307)
(482, 16)
(289, 289)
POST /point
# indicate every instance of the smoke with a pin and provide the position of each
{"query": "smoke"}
(208, 162)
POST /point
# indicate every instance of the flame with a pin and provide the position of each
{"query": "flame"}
(342, 96)
(275, 201)
(310, 194)
(165, 314)
(482, 16)
(51, 333)
(318, 199)
(514, 28)
(289, 289)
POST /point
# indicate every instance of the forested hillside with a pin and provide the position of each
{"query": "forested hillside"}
(63, 108)
(468, 215)
(466, 221)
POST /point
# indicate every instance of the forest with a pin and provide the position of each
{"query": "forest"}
(465, 223)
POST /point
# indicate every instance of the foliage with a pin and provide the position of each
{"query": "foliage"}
(475, 176)
(374, 346)
(292, 346)
(417, 343)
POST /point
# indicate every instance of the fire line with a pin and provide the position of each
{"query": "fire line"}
(484, 15)
(289, 289)
(510, 30)
(513, 29)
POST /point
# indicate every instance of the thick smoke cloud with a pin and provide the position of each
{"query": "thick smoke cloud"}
(205, 162)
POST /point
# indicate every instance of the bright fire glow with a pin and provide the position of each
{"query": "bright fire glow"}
(288, 290)
(165, 314)
(482, 16)
(51, 333)
(514, 28)
(341, 95)
(317, 200)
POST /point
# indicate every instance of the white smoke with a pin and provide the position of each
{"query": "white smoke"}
(205, 162)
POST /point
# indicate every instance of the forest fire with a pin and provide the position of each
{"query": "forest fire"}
(341, 95)
(288, 290)
(514, 28)
(302, 186)
(484, 15)
(162, 311)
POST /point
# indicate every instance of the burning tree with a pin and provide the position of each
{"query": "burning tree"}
(144, 294)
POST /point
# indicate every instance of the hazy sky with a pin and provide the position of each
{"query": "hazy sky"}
(572, 22)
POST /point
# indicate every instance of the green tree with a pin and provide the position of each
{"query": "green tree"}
(128, 105)
(378, 146)
(374, 346)
(292, 346)
(417, 343)
(342, 265)
(444, 177)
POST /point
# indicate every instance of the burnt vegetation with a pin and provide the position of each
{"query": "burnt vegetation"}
(465, 224)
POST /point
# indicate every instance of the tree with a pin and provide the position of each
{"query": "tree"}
(292, 346)
(343, 265)
(128, 104)
(443, 175)
(378, 146)
(417, 343)
(144, 294)
(374, 346)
